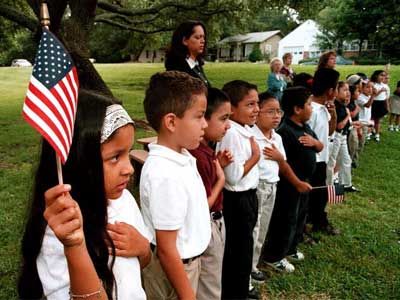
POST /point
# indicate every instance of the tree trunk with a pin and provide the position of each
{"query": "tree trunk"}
(74, 33)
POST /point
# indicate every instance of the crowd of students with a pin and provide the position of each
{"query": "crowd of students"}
(227, 187)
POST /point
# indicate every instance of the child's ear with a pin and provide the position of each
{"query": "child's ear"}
(169, 121)
(297, 110)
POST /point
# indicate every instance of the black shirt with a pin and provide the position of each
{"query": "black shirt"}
(352, 107)
(183, 66)
(301, 159)
(341, 114)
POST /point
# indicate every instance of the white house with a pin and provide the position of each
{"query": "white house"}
(238, 47)
(301, 42)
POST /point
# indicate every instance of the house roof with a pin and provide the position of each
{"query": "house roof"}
(248, 38)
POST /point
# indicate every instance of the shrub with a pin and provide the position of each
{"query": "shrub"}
(256, 55)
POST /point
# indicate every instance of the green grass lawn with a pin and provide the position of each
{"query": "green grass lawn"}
(362, 263)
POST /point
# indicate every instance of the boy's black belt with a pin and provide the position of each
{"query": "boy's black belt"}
(185, 261)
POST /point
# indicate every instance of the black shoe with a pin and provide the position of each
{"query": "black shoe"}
(253, 294)
(258, 276)
(351, 189)
(354, 165)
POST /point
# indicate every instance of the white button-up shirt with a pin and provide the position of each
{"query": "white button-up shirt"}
(237, 140)
(319, 123)
(268, 169)
(173, 197)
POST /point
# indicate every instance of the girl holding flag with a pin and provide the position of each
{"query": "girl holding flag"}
(69, 250)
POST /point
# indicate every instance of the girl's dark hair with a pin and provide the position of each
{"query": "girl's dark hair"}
(303, 79)
(362, 75)
(215, 98)
(237, 90)
(323, 59)
(374, 76)
(265, 97)
(177, 51)
(292, 97)
(84, 171)
(352, 89)
(324, 79)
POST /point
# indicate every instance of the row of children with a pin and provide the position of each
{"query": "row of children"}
(88, 239)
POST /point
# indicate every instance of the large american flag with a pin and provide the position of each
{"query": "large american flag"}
(51, 101)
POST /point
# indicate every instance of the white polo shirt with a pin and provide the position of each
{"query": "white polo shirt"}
(52, 264)
(237, 140)
(268, 169)
(319, 123)
(173, 197)
(365, 112)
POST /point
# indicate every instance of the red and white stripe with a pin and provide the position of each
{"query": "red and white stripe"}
(52, 112)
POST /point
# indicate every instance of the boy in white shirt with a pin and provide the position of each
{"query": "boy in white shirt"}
(241, 180)
(365, 101)
(173, 198)
(268, 119)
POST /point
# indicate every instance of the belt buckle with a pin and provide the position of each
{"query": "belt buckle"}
(216, 215)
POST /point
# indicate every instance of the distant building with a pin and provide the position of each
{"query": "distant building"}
(151, 56)
(238, 47)
(301, 42)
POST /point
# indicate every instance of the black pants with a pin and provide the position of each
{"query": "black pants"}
(318, 198)
(283, 234)
(240, 215)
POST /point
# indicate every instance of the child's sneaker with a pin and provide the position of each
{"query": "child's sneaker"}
(282, 266)
(397, 129)
(391, 128)
(298, 256)
(258, 276)
(368, 136)
(377, 138)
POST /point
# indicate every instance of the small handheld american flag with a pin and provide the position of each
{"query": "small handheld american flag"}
(51, 99)
(335, 192)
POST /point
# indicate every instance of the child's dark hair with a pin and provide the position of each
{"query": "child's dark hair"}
(353, 89)
(84, 171)
(265, 97)
(170, 92)
(215, 98)
(303, 79)
(324, 79)
(292, 97)
(341, 84)
(363, 76)
(237, 90)
(374, 76)
(177, 50)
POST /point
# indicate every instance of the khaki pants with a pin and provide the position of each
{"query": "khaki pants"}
(339, 153)
(156, 283)
(266, 199)
(211, 264)
(354, 145)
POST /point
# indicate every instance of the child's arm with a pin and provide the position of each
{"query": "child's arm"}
(218, 186)
(225, 157)
(343, 123)
(285, 169)
(355, 111)
(255, 157)
(308, 141)
(65, 219)
(172, 264)
(287, 172)
(332, 121)
(129, 242)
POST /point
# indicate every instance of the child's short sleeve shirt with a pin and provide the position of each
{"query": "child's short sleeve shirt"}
(237, 140)
(268, 169)
(173, 197)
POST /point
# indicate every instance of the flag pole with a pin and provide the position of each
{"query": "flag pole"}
(45, 22)
(319, 187)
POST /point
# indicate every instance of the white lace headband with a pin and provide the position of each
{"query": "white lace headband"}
(116, 117)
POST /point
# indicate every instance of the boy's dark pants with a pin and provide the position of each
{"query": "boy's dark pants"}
(288, 215)
(240, 215)
(318, 198)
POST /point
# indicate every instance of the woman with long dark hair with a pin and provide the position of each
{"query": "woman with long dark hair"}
(187, 50)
